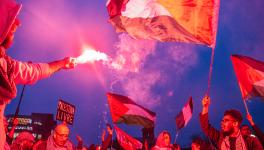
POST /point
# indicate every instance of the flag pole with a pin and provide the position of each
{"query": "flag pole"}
(21, 97)
(210, 72)
(18, 106)
(176, 136)
(246, 106)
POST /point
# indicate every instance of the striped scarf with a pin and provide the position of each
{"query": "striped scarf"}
(240, 143)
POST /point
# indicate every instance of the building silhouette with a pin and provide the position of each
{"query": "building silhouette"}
(39, 124)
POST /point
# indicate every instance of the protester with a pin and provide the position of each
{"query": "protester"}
(163, 141)
(245, 130)
(256, 129)
(58, 140)
(6, 145)
(230, 137)
(14, 72)
(148, 137)
(24, 141)
(106, 142)
(80, 145)
(10, 135)
(197, 144)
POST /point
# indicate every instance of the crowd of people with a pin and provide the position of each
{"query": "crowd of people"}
(231, 136)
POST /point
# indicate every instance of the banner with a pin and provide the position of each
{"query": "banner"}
(65, 112)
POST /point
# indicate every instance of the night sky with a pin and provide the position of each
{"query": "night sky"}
(162, 77)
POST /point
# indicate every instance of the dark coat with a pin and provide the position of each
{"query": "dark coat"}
(259, 134)
(217, 136)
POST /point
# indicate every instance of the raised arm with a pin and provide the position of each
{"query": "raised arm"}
(256, 129)
(209, 130)
(206, 103)
(29, 73)
(66, 63)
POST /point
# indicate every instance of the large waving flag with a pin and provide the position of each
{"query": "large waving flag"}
(126, 141)
(193, 21)
(124, 110)
(250, 76)
(185, 114)
(8, 12)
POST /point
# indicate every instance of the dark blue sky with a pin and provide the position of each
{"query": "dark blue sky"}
(167, 73)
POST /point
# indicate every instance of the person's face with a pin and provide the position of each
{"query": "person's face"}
(166, 138)
(10, 37)
(195, 146)
(245, 130)
(61, 135)
(227, 124)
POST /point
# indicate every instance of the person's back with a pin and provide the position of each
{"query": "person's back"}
(24, 141)
(40, 145)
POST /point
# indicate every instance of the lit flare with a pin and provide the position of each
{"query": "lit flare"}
(91, 55)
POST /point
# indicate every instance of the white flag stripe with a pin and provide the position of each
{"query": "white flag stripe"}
(144, 9)
(259, 86)
(136, 110)
(187, 114)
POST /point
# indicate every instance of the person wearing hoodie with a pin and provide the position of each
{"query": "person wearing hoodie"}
(163, 142)
(13, 72)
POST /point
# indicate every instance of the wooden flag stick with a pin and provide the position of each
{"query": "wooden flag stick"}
(210, 73)
(246, 106)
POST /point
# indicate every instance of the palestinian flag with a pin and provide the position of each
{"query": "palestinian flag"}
(126, 141)
(185, 115)
(166, 20)
(9, 9)
(124, 110)
(250, 76)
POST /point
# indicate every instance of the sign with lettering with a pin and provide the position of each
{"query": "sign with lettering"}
(65, 112)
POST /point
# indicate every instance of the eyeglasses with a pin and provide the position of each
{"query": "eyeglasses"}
(61, 135)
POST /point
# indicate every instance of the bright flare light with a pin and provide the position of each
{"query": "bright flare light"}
(91, 55)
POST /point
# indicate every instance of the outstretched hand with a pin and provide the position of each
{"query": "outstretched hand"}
(66, 63)
(69, 63)
(103, 136)
(109, 129)
(206, 103)
(79, 138)
(250, 119)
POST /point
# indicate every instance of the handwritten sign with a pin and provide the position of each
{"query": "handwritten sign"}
(65, 112)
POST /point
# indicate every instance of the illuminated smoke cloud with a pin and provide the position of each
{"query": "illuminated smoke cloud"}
(138, 72)
(131, 53)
